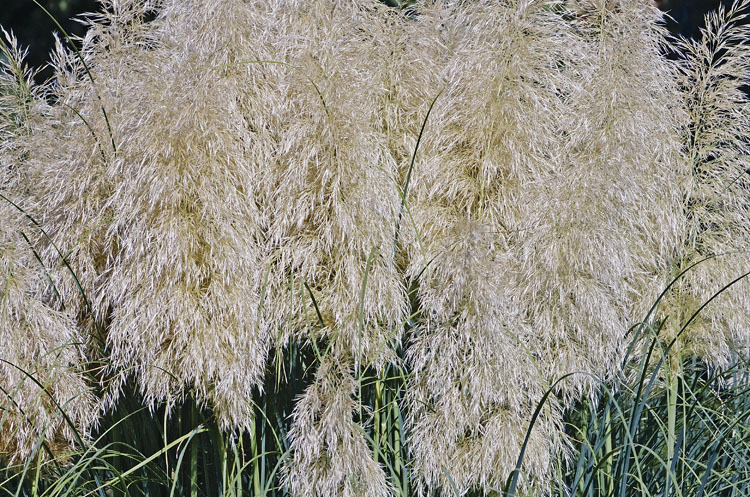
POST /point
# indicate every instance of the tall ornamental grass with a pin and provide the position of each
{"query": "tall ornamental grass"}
(326, 248)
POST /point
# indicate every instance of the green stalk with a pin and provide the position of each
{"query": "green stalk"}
(584, 437)
(397, 448)
(37, 474)
(238, 465)
(193, 455)
(221, 448)
(673, 372)
(608, 451)
(376, 421)
(257, 488)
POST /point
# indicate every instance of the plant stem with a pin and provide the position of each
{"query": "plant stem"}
(193, 454)
(673, 373)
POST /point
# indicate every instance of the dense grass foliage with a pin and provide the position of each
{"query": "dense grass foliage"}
(322, 248)
(623, 444)
(619, 444)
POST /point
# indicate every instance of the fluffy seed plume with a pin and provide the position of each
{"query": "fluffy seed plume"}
(598, 221)
(328, 188)
(330, 456)
(715, 186)
(42, 352)
(330, 202)
(213, 171)
(141, 165)
(539, 219)
(41, 377)
(494, 68)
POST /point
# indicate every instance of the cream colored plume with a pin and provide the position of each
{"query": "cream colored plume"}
(599, 219)
(214, 170)
(42, 356)
(42, 377)
(540, 217)
(329, 453)
(715, 185)
(141, 165)
(494, 69)
(329, 199)
(328, 186)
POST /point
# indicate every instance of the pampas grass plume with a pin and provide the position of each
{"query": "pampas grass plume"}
(494, 67)
(715, 184)
(42, 357)
(149, 184)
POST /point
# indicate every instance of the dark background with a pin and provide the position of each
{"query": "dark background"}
(34, 28)
(685, 17)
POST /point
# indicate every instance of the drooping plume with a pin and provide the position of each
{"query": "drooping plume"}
(141, 164)
(328, 191)
(495, 72)
(329, 453)
(212, 171)
(598, 220)
(330, 203)
(42, 356)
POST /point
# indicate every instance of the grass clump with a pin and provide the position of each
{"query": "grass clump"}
(331, 248)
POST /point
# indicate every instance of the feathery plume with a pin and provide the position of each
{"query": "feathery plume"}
(328, 192)
(329, 453)
(330, 206)
(600, 221)
(207, 168)
(42, 357)
(496, 69)
(140, 163)
(715, 185)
